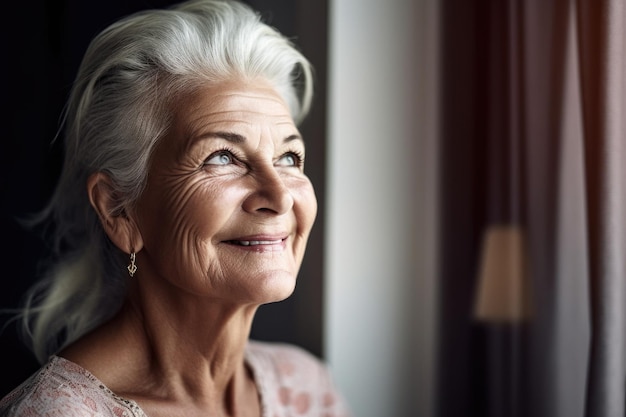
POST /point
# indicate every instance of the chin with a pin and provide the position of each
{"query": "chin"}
(276, 287)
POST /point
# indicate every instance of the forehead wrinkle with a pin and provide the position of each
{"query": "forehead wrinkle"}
(202, 122)
(231, 135)
(227, 113)
(244, 114)
(236, 102)
(247, 94)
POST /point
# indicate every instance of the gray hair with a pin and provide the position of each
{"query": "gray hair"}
(117, 111)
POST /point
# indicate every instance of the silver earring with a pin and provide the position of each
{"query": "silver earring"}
(132, 268)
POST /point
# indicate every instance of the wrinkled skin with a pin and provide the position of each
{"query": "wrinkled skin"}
(219, 230)
(227, 209)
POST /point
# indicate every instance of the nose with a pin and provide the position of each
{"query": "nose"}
(269, 194)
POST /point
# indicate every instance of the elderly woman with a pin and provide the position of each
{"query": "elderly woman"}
(182, 207)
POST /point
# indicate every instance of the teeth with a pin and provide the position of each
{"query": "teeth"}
(258, 242)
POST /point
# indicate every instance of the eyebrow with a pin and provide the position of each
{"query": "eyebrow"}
(237, 138)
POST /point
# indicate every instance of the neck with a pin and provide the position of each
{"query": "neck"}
(191, 350)
(197, 343)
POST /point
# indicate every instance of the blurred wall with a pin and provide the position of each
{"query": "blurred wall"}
(380, 293)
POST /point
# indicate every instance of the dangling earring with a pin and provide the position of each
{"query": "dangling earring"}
(132, 268)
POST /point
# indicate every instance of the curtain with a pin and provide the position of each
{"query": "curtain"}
(602, 54)
(532, 195)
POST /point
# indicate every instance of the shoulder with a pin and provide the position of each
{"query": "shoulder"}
(289, 365)
(285, 359)
(62, 388)
(294, 379)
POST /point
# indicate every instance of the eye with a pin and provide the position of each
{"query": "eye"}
(223, 157)
(290, 159)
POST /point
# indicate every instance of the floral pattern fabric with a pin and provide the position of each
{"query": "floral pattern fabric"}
(291, 383)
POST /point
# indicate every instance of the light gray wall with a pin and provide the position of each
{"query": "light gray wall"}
(380, 291)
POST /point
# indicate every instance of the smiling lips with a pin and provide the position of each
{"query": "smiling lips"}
(259, 244)
(256, 242)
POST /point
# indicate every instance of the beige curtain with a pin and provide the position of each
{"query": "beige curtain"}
(533, 194)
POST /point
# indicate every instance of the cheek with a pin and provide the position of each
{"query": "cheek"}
(180, 224)
(178, 218)
(305, 204)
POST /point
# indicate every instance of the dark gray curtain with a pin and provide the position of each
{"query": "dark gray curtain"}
(602, 57)
(532, 137)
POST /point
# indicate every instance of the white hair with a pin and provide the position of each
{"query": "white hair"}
(117, 111)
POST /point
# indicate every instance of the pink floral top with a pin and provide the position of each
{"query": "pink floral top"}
(291, 382)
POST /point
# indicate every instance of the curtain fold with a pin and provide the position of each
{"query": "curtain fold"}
(534, 100)
(601, 58)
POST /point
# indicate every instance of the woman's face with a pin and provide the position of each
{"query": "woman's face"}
(227, 209)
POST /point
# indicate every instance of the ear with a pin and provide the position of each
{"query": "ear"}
(119, 225)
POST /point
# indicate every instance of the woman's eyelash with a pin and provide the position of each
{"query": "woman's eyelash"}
(298, 155)
(223, 151)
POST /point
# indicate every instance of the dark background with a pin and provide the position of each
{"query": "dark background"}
(43, 44)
